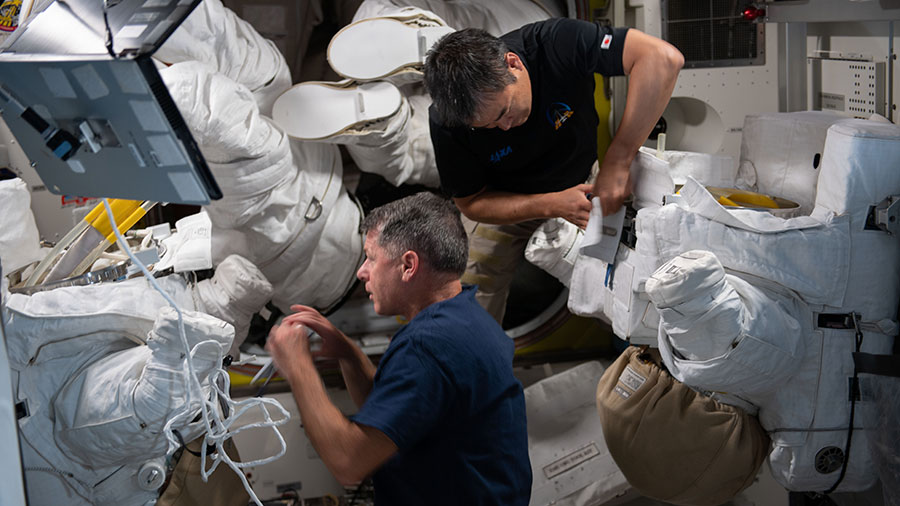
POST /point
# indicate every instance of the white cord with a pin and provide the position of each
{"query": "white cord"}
(217, 431)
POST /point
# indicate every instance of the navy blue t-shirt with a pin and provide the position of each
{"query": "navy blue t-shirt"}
(444, 392)
(556, 147)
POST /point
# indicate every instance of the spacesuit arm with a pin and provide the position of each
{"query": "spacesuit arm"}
(500, 208)
(350, 451)
(652, 66)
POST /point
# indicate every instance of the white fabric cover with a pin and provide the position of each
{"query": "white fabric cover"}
(554, 248)
(20, 243)
(722, 333)
(654, 177)
(860, 168)
(52, 336)
(778, 152)
(333, 264)
(190, 247)
(236, 291)
(571, 465)
(617, 296)
(215, 35)
(700, 312)
(113, 411)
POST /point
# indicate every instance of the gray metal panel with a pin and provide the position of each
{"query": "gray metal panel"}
(145, 150)
(792, 67)
(814, 11)
(137, 27)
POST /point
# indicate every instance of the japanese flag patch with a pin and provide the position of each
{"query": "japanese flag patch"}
(607, 40)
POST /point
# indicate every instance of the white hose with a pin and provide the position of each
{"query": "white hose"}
(218, 430)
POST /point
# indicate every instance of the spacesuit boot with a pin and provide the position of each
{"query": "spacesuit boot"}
(385, 129)
(392, 46)
(338, 113)
(235, 292)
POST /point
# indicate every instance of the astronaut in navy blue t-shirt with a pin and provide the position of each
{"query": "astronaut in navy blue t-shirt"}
(442, 419)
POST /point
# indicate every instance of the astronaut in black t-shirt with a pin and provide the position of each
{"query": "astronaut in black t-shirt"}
(514, 130)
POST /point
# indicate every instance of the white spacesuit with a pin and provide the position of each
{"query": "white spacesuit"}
(73, 347)
(765, 311)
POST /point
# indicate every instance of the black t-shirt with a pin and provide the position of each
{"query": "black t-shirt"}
(556, 147)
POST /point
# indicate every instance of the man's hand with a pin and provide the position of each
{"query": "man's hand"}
(573, 205)
(613, 186)
(335, 344)
(288, 344)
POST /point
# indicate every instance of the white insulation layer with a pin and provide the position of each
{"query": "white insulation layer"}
(781, 154)
(20, 242)
(780, 275)
(571, 464)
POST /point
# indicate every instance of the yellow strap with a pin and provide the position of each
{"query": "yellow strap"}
(127, 223)
(121, 209)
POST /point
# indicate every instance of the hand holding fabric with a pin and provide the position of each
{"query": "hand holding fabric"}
(573, 205)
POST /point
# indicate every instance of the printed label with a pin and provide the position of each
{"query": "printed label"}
(631, 379)
(622, 392)
(832, 102)
(571, 460)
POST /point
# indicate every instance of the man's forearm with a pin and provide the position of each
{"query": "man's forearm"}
(652, 66)
(359, 374)
(501, 208)
(339, 442)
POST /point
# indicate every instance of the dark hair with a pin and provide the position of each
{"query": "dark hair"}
(460, 69)
(424, 223)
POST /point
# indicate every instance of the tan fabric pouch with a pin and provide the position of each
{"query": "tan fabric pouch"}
(672, 443)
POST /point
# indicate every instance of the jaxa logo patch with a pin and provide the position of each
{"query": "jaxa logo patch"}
(500, 153)
(9, 15)
(558, 113)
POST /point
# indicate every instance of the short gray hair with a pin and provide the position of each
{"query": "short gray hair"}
(425, 223)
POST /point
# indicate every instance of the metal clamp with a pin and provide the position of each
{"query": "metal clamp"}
(887, 215)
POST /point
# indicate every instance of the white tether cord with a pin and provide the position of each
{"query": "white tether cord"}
(218, 431)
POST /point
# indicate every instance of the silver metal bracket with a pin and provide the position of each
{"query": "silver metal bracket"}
(886, 215)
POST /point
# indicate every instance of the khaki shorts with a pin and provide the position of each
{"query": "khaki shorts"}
(495, 252)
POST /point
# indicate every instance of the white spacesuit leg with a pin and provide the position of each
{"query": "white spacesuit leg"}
(279, 194)
(216, 36)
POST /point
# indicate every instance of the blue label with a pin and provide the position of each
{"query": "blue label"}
(500, 153)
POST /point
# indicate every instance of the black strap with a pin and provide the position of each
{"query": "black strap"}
(882, 365)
